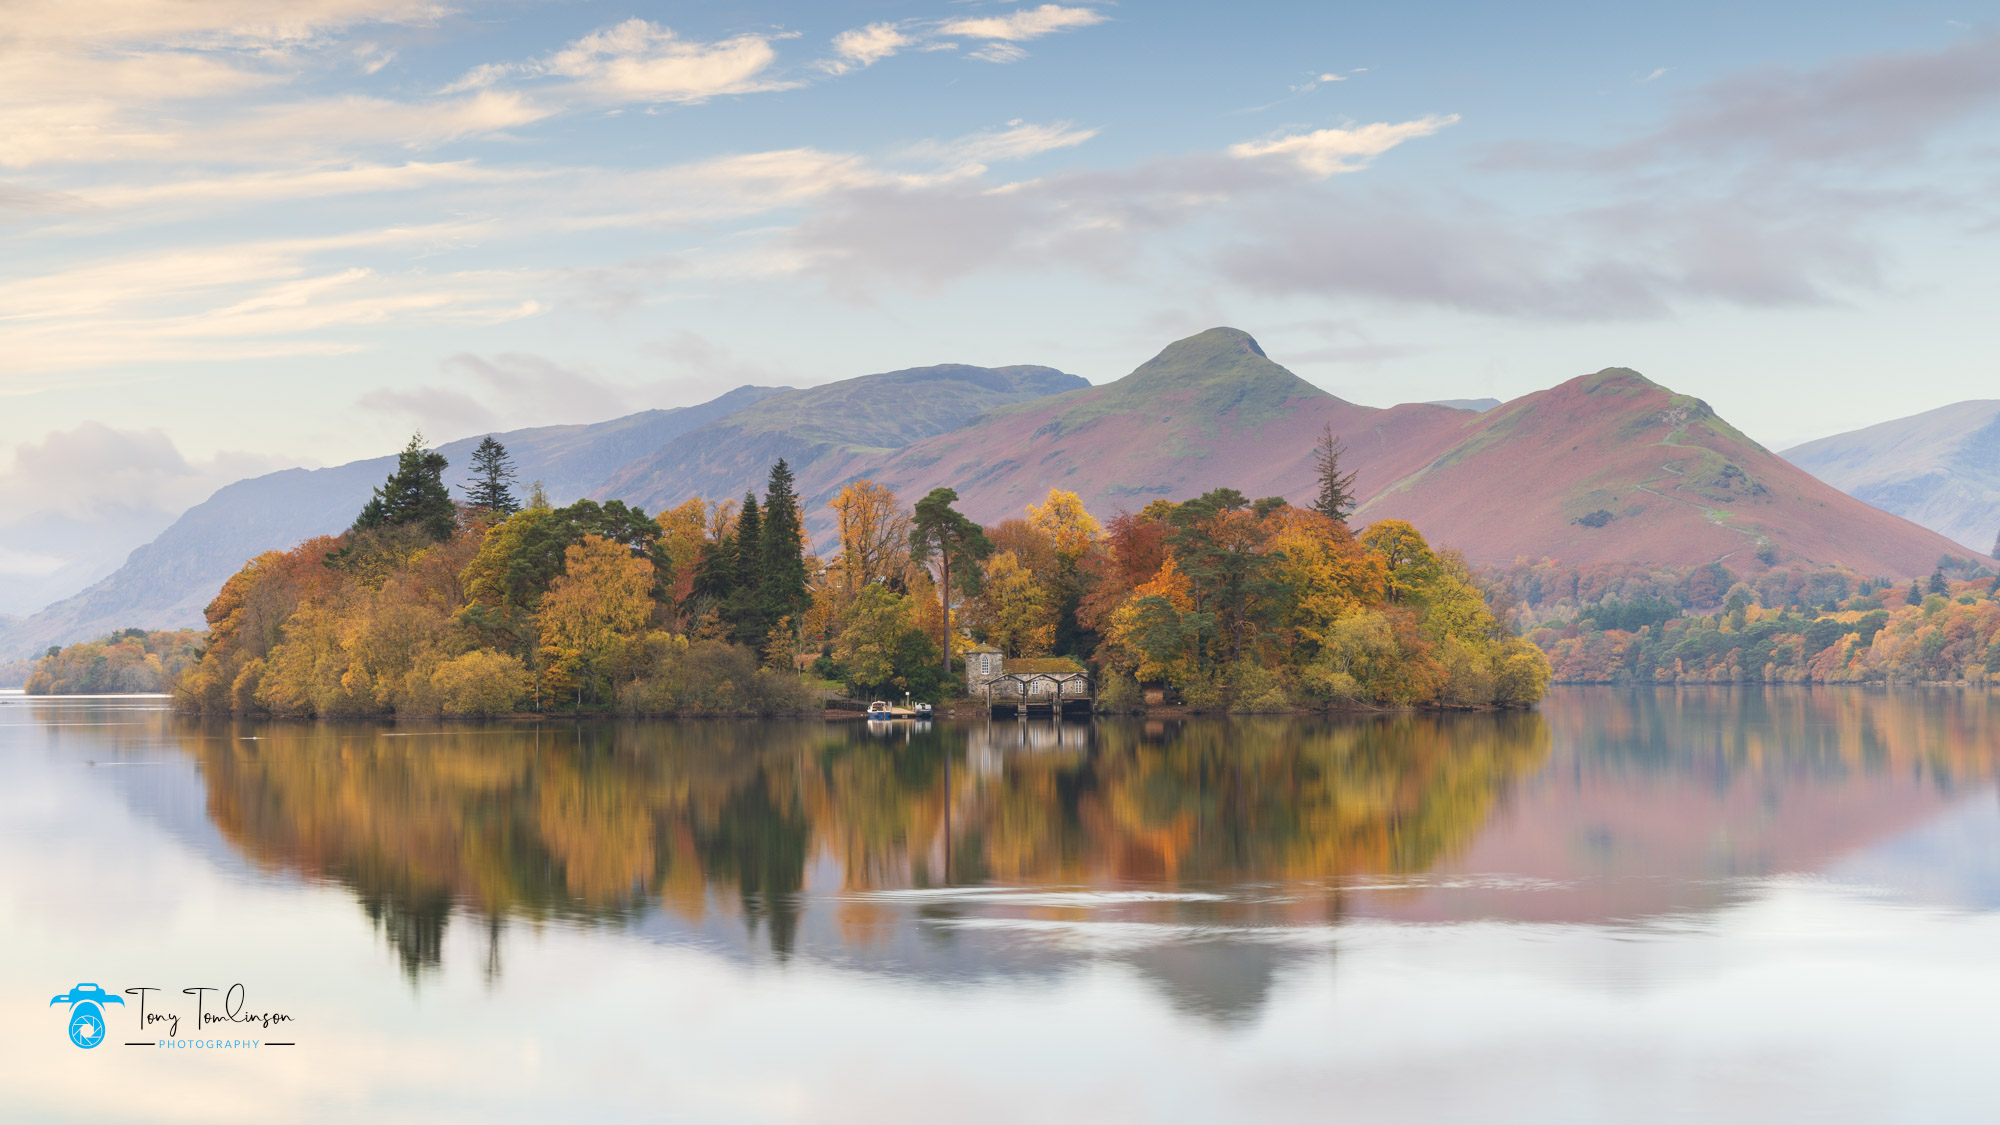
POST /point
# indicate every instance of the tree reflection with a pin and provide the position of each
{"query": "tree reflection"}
(597, 824)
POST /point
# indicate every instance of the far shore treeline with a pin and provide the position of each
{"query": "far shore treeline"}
(427, 607)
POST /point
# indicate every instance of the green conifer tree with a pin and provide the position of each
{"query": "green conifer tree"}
(784, 561)
(1938, 585)
(1336, 499)
(414, 495)
(939, 531)
(715, 569)
(492, 471)
(744, 609)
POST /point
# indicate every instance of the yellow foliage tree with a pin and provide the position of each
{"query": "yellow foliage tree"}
(1012, 610)
(480, 683)
(601, 596)
(1063, 518)
(874, 535)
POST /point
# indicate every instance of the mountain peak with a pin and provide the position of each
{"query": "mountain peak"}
(1617, 380)
(1217, 355)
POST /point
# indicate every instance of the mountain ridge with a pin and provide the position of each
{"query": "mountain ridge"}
(1599, 467)
(822, 430)
(1939, 468)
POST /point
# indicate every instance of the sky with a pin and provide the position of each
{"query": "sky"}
(240, 236)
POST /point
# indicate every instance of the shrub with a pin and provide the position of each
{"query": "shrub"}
(1253, 689)
(678, 677)
(1205, 693)
(1323, 685)
(479, 683)
(1121, 695)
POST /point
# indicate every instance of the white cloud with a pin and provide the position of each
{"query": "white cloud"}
(1004, 34)
(1027, 23)
(85, 80)
(1325, 152)
(641, 61)
(24, 564)
(505, 390)
(242, 301)
(93, 471)
(864, 47)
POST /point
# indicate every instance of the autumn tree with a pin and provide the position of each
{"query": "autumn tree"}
(601, 596)
(1411, 562)
(683, 533)
(874, 535)
(1012, 609)
(490, 489)
(940, 532)
(1335, 500)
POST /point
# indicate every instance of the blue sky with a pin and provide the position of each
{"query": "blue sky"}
(244, 235)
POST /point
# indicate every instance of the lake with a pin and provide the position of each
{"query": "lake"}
(1640, 905)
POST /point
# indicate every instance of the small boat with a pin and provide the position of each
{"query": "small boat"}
(879, 710)
(923, 710)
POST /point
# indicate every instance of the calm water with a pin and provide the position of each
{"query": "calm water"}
(1752, 905)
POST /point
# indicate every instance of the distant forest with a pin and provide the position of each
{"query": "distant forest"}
(1633, 624)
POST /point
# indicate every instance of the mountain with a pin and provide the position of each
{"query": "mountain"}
(1613, 466)
(1603, 467)
(824, 431)
(1940, 468)
(1210, 410)
(167, 582)
(1476, 405)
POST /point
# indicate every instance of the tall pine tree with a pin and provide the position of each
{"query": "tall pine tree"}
(414, 495)
(784, 561)
(939, 531)
(1336, 500)
(492, 471)
(744, 609)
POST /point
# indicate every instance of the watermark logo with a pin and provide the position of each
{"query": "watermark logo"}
(86, 1013)
(227, 1029)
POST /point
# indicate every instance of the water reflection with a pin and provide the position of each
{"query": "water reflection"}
(600, 823)
(1206, 855)
(1634, 906)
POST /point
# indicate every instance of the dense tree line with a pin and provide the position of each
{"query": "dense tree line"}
(1936, 630)
(130, 660)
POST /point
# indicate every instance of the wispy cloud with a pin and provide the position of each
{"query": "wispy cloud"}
(253, 299)
(1015, 141)
(1025, 24)
(641, 61)
(1326, 152)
